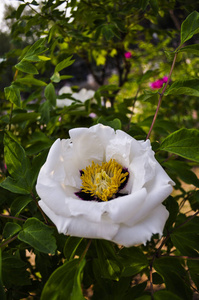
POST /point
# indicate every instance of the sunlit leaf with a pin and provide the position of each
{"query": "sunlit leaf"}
(184, 142)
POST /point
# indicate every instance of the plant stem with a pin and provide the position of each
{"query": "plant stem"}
(11, 217)
(161, 95)
(8, 241)
(85, 251)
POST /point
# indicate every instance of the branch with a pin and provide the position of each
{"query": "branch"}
(162, 94)
(11, 217)
(8, 241)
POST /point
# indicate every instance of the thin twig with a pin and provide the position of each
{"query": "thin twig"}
(8, 241)
(161, 95)
(11, 217)
(85, 251)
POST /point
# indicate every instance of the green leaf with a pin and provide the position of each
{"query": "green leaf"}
(19, 204)
(12, 94)
(184, 142)
(154, 5)
(173, 273)
(15, 186)
(194, 200)
(107, 263)
(165, 295)
(64, 64)
(149, 97)
(20, 10)
(115, 124)
(50, 94)
(21, 117)
(37, 48)
(31, 81)
(2, 292)
(186, 237)
(10, 229)
(15, 157)
(71, 245)
(192, 49)
(26, 67)
(193, 266)
(190, 26)
(65, 282)
(55, 77)
(173, 209)
(45, 112)
(107, 32)
(38, 236)
(14, 271)
(183, 171)
(185, 87)
(133, 260)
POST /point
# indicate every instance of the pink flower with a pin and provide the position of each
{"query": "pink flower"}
(158, 83)
(127, 55)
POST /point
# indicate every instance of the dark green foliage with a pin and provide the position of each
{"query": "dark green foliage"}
(46, 49)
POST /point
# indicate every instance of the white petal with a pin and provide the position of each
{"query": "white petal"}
(123, 208)
(141, 232)
(80, 226)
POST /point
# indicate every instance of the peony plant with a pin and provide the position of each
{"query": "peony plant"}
(104, 184)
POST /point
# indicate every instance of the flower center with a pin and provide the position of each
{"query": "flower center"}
(103, 182)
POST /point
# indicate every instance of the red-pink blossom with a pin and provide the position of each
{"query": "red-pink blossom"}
(127, 55)
(158, 83)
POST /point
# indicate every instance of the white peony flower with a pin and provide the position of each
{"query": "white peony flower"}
(82, 96)
(104, 184)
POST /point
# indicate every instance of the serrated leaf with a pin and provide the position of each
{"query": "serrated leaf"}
(64, 64)
(26, 67)
(12, 94)
(184, 142)
(38, 235)
(190, 26)
(10, 229)
(185, 87)
(50, 94)
(65, 282)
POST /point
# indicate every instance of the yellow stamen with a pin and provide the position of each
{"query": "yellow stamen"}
(103, 181)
